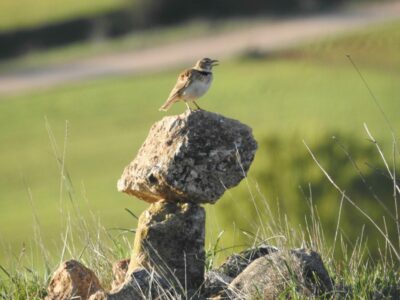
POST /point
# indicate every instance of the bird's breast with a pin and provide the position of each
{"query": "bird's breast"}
(198, 87)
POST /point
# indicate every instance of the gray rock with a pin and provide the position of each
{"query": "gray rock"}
(192, 157)
(170, 240)
(271, 275)
(237, 262)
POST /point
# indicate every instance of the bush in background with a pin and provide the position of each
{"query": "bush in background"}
(291, 184)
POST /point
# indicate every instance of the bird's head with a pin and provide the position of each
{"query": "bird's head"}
(206, 64)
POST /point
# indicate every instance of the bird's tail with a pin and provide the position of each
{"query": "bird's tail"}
(168, 103)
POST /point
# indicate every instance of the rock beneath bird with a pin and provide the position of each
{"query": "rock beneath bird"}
(269, 276)
(169, 240)
(72, 280)
(192, 157)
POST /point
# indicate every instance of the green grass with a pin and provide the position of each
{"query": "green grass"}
(108, 119)
(26, 13)
(377, 47)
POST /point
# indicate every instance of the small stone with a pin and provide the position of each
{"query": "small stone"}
(270, 275)
(193, 157)
(170, 240)
(72, 280)
(119, 271)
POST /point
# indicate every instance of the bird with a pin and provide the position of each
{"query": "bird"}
(192, 84)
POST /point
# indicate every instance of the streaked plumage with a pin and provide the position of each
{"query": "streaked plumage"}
(192, 83)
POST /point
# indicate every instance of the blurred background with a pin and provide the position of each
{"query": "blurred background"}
(81, 83)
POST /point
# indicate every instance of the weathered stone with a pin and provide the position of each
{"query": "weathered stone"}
(193, 157)
(119, 271)
(72, 280)
(272, 274)
(142, 284)
(215, 284)
(237, 262)
(170, 240)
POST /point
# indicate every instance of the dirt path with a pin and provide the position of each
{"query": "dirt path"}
(266, 37)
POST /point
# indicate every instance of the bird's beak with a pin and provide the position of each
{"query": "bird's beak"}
(214, 62)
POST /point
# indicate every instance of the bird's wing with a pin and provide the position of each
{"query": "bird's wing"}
(184, 80)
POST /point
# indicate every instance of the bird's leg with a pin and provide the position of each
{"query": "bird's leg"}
(197, 106)
(188, 106)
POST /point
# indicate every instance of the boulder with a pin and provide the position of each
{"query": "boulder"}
(72, 280)
(193, 157)
(271, 275)
(170, 240)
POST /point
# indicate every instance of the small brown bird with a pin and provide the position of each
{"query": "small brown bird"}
(192, 83)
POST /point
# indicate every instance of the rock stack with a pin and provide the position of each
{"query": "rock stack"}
(186, 161)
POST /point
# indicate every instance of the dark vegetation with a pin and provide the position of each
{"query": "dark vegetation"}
(142, 14)
(292, 184)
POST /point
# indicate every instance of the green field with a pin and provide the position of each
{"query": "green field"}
(298, 93)
(25, 13)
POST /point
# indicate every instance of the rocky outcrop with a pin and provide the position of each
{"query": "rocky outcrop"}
(263, 272)
(188, 160)
(170, 240)
(72, 280)
(194, 157)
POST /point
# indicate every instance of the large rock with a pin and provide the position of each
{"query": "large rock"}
(170, 240)
(269, 276)
(193, 157)
(72, 280)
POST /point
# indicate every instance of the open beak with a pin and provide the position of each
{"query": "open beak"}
(214, 62)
